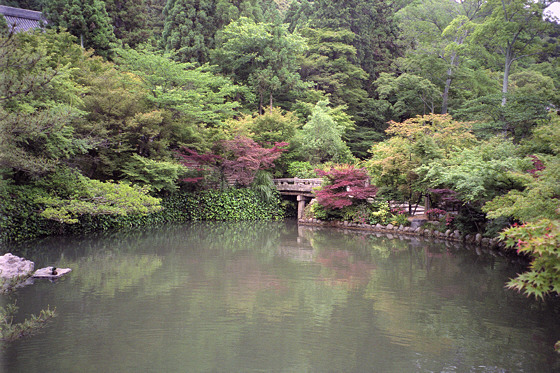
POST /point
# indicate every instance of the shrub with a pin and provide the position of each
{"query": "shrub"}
(343, 187)
(541, 242)
(303, 170)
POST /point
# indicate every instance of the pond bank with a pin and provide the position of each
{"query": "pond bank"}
(450, 236)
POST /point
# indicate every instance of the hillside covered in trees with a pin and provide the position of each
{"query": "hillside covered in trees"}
(121, 108)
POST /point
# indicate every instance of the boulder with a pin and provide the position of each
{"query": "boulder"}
(12, 266)
(51, 272)
(417, 223)
(478, 238)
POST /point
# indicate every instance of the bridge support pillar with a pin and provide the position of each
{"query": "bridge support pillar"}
(300, 206)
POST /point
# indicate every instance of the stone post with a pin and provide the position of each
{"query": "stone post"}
(300, 206)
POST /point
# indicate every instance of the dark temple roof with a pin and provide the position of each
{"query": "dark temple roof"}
(22, 19)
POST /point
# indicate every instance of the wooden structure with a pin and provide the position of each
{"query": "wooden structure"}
(301, 188)
(21, 20)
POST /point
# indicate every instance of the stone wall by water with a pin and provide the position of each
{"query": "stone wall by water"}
(448, 235)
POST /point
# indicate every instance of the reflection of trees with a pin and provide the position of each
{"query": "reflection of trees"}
(439, 301)
(223, 297)
(432, 298)
(106, 273)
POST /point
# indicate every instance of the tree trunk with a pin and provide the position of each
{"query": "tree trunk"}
(505, 82)
(445, 96)
(454, 63)
(271, 102)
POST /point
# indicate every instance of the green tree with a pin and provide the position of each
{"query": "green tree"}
(191, 25)
(87, 20)
(372, 22)
(408, 94)
(331, 64)
(155, 20)
(261, 55)
(196, 97)
(37, 117)
(514, 29)
(541, 241)
(538, 195)
(124, 122)
(321, 138)
(189, 29)
(24, 4)
(435, 32)
(71, 195)
(271, 127)
(479, 173)
(416, 141)
(129, 19)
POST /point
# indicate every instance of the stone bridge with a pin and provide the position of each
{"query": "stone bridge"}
(301, 188)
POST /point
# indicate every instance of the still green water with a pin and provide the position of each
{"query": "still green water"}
(269, 297)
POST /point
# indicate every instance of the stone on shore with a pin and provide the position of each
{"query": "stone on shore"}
(12, 266)
(51, 272)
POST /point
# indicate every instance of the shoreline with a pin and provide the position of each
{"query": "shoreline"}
(448, 236)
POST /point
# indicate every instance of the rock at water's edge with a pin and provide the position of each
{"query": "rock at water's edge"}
(51, 272)
(13, 266)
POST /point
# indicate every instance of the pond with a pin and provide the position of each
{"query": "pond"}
(272, 297)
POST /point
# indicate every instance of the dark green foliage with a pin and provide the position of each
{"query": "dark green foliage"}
(189, 29)
(130, 20)
(331, 65)
(470, 219)
(516, 118)
(191, 25)
(262, 56)
(86, 19)
(24, 4)
(232, 205)
(20, 221)
(372, 22)
(4, 29)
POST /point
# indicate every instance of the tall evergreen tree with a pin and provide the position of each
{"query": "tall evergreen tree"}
(155, 19)
(129, 19)
(372, 22)
(331, 64)
(261, 55)
(86, 19)
(189, 28)
(191, 25)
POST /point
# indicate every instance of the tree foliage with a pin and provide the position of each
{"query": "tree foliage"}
(541, 241)
(72, 195)
(344, 186)
(331, 64)
(261, 55)
(479, 173)
(243, 158)
(87, 20)
(321, 137)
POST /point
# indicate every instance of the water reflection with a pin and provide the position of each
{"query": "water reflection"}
(271, 297)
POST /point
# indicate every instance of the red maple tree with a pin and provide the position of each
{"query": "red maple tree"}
(344, 186)
(244, 157)
(241, 158)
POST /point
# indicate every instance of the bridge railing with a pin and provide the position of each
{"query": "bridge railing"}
(296, 184)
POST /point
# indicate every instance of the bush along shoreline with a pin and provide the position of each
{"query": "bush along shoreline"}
(21, 220)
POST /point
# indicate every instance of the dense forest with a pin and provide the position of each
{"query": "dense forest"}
(121, 110)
